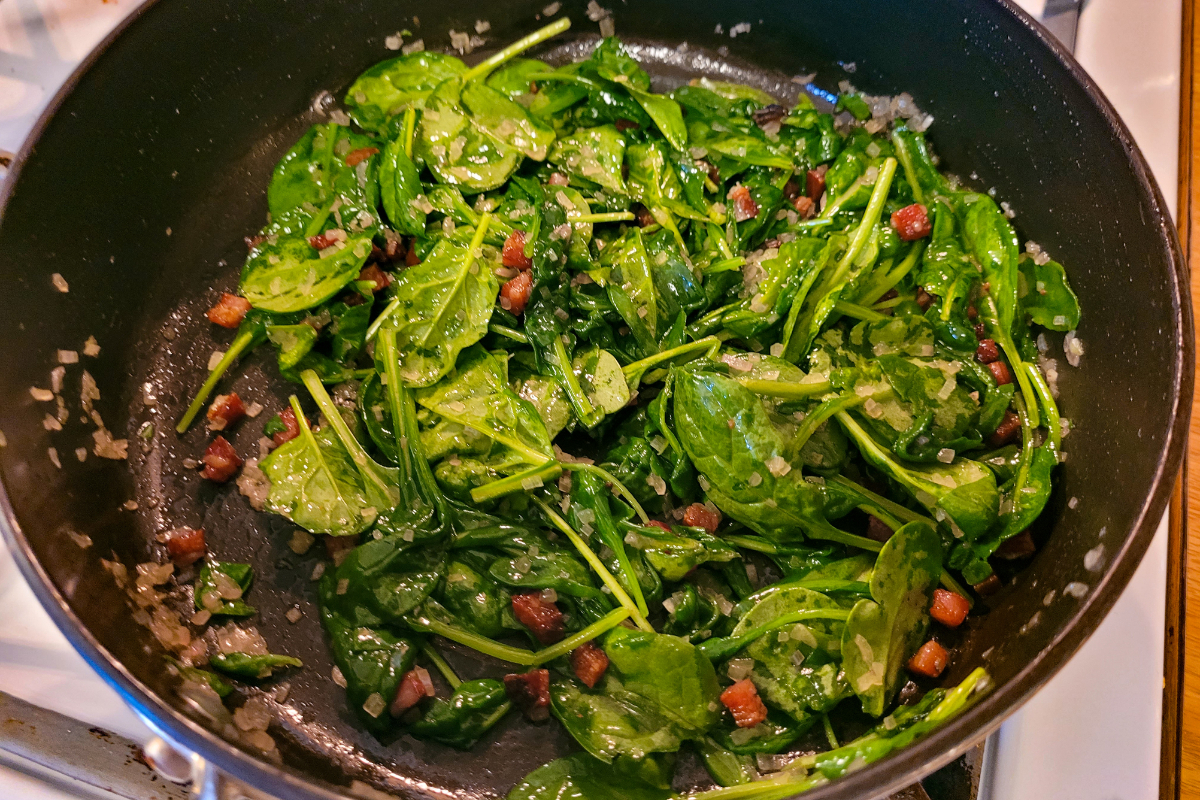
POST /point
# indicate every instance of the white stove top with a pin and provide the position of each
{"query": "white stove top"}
(1063, 745)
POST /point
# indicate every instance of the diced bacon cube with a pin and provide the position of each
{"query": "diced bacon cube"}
(698, 515)
(949, 608)
(361, 154)
(930, 660)
(589, 663)
(744, 207)
(514, 295)
(185, 545)
(530, 692)
(557, 179)
(1007, 431)
(221, 461)
(288, 418)
(1019, 546)
(924, 298)
(744, 704)
(513, 256)
(814, 183)
(541, 617)
(414, 687)
(988, 586)
(378, 278)
(987, 352)
(229, 311)
(339, 546)
(225, 410)
(805, 207)
(1000, 372)
(877, 529)
(321, 241)
(912, 222)
(643, 216)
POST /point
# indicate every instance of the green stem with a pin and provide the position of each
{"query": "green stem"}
(443, 667)
(243, 340)
(482, 644)
(509, 333)
(592, 219)
(334, 417)
(609, 621)
(829, 734)
(516, 48)
(724, 265)
(718, 649)
(597, 565)
(910, 173)
(789, 390)
(756, 543)
(1048, 405)
(410, 127)
(855, 311)
(608, 477)
(866, 227)
(638, 368)
(516, 483)
(583, 407)
(388, 310)
(817, 417)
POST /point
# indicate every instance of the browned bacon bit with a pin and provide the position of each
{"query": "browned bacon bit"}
(987, 352)
(229, 311)
(515, 293)
(361, 154)
(626, 124)
(185, 545)
(411, 258)
(225, 411)
(890, 294)
(643, 215)
(698, 515)
(930, 660)
(768, 114)
(513, 256)
(972, 312)
(530, 692)
(711, 170)
(557, 179)
(744, 207)
(805, 207)
(541, 617)
(533, 87)
(912, 222)
(414, 687)
(221, 461)
(814, 183)
(1000, 372)
(988, 586)
(1019, 546)
(909, 693)
(744, 704)
(379, 279)
(291, 424)
(877, 529)
(791, 189)
(980, 331)
(924, 298)
(339, 546)
(393, 249)
(658, 523)
(589, 663)
(949, 608)
(321, 241)
(1007, 431)
(253, 241)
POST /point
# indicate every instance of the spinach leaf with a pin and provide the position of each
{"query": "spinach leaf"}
(373, 660)
(506, 121)
(251, 667)
(883, 632)
(726, 767)
(456, 148)
(475, 600)
(1046, 296)
(993, 243)
(294, 342)
(631, 288)
(387, 88)
(288, 275)
(610, 721)
(313, 183)
(400, 189)
(592, 157)
(601, 378)
(202, 676)
(386, 579)
(442, 306)
(581, 777)
(470, 712)
(771, 735)
(667, 671)
(219, 579)
(677, 552)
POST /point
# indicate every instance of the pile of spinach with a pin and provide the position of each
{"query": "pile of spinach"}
(788, 368)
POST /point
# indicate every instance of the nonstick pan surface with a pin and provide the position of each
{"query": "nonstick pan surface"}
(139, 184)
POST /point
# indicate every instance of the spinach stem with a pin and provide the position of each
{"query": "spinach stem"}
(583, 407)
(516, 48)
(388, 310)
(1049, 406)
(242, 341)
(366, 466)
(482, 644)
(510, 333)
(608, 477)
(756, 543)
(443, 667)
(882, 286)
(855, 311)
(724, 265)
(410, 127)
(829, 734)
(610, 216)
(717, 649)
(596, 564)
(609, 621)
(789, 390)
(516, 483)
(817, 417)
(638, 368)
(866, 227)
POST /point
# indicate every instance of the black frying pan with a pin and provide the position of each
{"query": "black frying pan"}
(140, 182)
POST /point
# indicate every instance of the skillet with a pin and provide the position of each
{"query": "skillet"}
(147, 170)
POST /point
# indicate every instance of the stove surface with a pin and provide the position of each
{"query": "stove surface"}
(1092, 733)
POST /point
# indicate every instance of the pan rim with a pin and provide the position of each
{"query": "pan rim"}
(935, 750)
